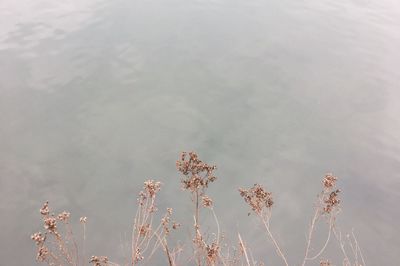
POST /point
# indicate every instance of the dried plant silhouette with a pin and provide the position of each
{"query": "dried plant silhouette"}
(150, 232)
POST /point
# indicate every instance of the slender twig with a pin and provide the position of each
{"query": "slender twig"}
(244, 249)
(277, 248)
(310, 233)
(358, 246)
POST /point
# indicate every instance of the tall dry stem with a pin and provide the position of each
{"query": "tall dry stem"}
(260, 201)
(327, 206)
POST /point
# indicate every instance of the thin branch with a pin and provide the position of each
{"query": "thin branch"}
(244, 249)
(278, 249)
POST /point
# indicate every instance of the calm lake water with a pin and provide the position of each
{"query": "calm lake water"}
(97, 96)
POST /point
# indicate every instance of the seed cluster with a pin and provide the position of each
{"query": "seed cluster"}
(329, 181)
(50, 224)
(99, 260)
(197, 174)
(257, 197)
(207, 202)
(331, 201)
(212, 253)
(325, 263)
(330, 195)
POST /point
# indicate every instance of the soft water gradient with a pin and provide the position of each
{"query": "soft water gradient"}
(97, 96)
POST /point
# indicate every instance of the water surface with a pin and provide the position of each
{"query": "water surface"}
(97, 96)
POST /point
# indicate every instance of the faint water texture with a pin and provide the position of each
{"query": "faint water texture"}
(96, 96)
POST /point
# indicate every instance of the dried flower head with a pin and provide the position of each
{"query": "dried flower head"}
(99, 260)
(138, 256)
(329, 181)
(175, 225)
(325, 263)
(64, 216)
(38, 238)
(165, 224)
(45, 209)
(50, 224)
(212, 253)
(331, 201)
(329, 196)
(257, 197)
(207, 201)
(197, 174)
(144, 230)
(151, 187)
(42, 254)
(169, 211)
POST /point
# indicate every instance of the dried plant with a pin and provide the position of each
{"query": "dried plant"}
(327, 206)
(57, 245)
(146, 237)
(349, 242)
(260, 201)
(197, 175)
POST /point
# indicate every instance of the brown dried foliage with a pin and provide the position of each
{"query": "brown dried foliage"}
(197, 174)
(257, 197)
(148, 236)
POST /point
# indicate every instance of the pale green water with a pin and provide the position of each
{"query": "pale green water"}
(97, 96)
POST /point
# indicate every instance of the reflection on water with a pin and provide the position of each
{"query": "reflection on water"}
(97, 96)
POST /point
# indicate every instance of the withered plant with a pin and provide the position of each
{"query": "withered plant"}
(147, 237)
(197, 176)
(261, 202)
(57, 245)
(327, 206)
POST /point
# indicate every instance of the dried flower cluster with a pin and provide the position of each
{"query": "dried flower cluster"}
(166, 222)
(64, 216)
(152, 187)
(325, 263)
(99, 260)
(207, 202)
(332, 201)
(144, 230)
(65, 250)
(329, 195)
(83, 220)
(257, 197)
(329, 181)
(212, 252)
(197, 174)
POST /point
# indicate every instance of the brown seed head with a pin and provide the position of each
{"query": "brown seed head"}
(144, 230)
(175, 225)
(50, 224)
(329, 181)
(151, 187)
(64, 216)
(257, 198)
(212, 253)
(197, 174)
(207, 201)
(45, 209)
(99, 260)
(42, 254)
(332, 201)
(38, 238)
(325, 263)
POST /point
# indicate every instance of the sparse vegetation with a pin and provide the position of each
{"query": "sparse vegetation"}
(57, 245)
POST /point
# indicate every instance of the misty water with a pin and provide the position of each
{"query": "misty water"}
(98, 96)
